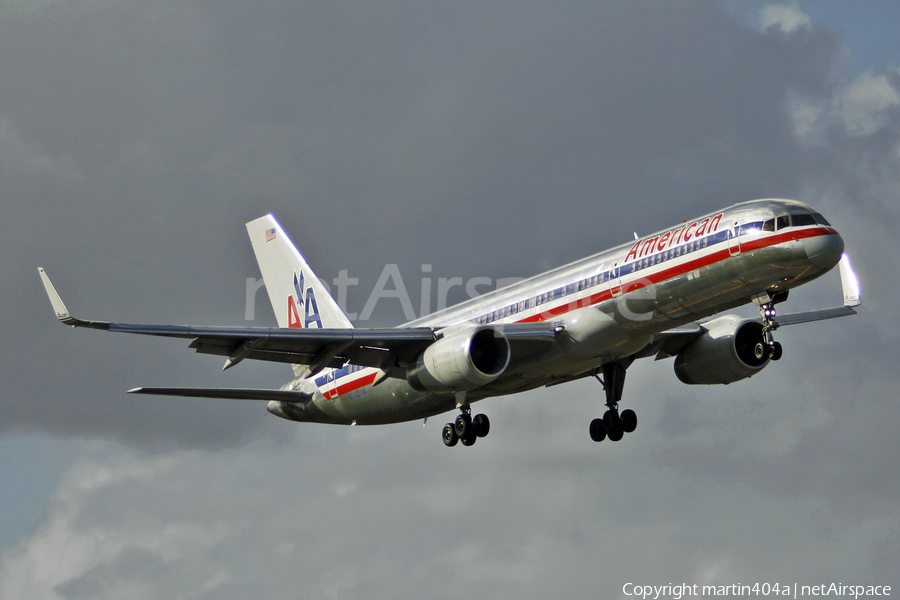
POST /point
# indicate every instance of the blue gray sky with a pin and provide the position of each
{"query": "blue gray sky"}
(497, 140)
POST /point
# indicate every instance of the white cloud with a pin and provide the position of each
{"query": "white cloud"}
(787, 17)
(860, 108)
(355, 513)
(865, 101)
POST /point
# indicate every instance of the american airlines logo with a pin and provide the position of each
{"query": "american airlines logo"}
(302, 302)
(685, 233)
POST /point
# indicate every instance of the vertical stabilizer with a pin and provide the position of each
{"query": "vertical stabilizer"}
(298, 297)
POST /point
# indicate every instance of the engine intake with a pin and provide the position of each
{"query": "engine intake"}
(461, 361)
(731, 349)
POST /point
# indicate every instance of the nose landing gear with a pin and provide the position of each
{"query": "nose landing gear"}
(766, 305)
(612, 425)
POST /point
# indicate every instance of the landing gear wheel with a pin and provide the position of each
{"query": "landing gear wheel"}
(776, 351)
(615, 435)
(469, 439)
(481, 424)
(462, 425)
(628, 419)
(611, 421)
(449, 435)
(598, 433)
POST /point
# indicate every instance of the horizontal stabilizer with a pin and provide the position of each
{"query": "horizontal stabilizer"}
(226, 393)
(814, 315)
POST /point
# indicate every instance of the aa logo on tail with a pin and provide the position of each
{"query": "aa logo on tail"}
(303, 302)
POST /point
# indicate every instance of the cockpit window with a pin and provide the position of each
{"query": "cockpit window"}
(769, 225)
(821, 220)
(782, 222)
(801, 220)
(750, 228)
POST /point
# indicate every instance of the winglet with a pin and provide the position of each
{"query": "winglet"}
(62, 313)
(849, 282)
(59, 307)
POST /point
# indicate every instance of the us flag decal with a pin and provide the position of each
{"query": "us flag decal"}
(270, 234)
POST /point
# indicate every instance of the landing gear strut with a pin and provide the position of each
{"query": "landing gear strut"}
(767, 313)
(613, 425)
(465, 428)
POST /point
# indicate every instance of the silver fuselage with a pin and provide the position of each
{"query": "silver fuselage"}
(609, 306)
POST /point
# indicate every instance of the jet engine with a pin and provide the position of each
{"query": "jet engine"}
(461, 361)
(732, 349)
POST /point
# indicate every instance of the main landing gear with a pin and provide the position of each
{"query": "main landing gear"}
(465, 428)
(767, 313)
(613, 425)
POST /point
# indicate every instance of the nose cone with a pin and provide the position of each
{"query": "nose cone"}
(824, 251)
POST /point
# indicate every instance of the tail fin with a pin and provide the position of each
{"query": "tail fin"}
(298, 297)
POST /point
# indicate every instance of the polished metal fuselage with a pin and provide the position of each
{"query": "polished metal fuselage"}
(608, 306)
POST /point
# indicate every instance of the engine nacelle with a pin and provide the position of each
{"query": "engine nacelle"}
(461, 361)
(732, 349)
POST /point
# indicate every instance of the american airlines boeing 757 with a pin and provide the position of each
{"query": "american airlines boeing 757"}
(659, 296)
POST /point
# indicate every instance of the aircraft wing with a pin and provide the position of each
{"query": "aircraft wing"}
(384, 348)
(670, 342)
(814, 315)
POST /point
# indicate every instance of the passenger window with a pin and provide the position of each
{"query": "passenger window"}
(801, 220)
(769, 225)
(821, 220)
(782, 222)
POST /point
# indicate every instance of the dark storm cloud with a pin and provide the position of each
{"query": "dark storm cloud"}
(474, 139)
(136, 139)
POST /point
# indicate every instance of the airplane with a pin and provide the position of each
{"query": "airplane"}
(660, 295)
